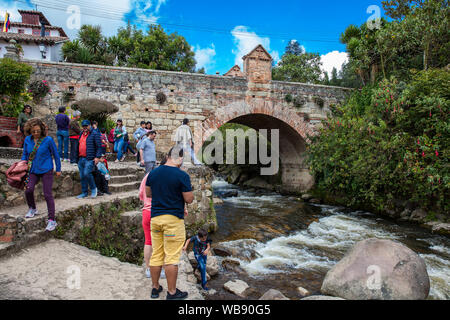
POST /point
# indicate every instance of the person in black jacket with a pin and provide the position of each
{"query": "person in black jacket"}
(89, 153)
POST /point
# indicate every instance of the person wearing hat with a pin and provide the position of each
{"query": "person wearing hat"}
(89, 153)
(119, 134)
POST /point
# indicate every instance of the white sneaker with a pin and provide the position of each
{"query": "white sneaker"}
(31, 213)
(147, 273)
(51, 225)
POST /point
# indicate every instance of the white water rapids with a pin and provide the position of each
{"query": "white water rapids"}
(326, 240)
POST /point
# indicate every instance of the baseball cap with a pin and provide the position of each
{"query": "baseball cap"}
(85, 123)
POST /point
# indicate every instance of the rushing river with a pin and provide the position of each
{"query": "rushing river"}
(283, 243)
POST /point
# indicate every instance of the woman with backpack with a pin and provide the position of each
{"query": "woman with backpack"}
(40, 151)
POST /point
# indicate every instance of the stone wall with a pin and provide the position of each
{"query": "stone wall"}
(192, 96)
(208, 101)
(8, 133)
(67, 185)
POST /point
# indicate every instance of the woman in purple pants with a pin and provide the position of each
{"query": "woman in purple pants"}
(40, 150)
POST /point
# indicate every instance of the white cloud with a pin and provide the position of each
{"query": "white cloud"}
(109, 14)
(333, 59)
(159, 4)
(246, 40)
(205, 57)
(12, 8)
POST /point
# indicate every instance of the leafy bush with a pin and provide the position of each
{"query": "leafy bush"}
(38, 89)
(389, 142)
(13, 78)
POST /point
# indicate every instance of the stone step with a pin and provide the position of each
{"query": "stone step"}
(6, 248)
(122, 187)
(32, 231)
(124, 179)
(124, 170)
(111, 157)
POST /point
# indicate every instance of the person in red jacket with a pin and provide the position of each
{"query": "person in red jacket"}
(111, 139)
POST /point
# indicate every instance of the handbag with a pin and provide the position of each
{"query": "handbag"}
(17, 176)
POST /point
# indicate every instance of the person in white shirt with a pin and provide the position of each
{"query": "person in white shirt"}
(184, 138)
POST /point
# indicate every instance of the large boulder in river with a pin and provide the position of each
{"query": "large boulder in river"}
(376, 269)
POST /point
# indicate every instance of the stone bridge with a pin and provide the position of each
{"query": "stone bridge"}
(165, 98)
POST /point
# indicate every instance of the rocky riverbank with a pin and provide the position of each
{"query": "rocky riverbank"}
(403, 211)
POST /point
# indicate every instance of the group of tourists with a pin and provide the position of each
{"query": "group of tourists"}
(165, 190)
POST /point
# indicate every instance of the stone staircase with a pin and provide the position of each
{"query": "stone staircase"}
(16, 232)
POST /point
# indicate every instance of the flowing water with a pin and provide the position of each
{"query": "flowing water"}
(283, 243)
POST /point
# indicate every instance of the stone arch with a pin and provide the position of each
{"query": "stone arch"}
(294, 132)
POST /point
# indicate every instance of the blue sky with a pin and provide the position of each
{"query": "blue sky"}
(220, 32)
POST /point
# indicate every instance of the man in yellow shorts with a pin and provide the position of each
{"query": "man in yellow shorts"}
(170, 189)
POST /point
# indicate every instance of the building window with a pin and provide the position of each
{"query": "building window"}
(37, 32)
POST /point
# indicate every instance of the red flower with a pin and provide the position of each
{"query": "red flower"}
(423, 154)
(437, 153)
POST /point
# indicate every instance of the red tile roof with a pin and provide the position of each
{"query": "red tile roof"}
(21, 37)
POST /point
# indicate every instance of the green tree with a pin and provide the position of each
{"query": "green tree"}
(303, 68)
(388, 142)
(14, 77)
(349, 78)
(201, 70)
(162, 51)
(334, 78)
(326, 79)
(294, 48)
(131, 47)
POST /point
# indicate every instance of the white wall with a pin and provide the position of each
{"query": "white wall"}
(31, 51)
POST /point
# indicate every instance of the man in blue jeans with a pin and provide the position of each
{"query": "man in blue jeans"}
(62, 133)
(89, 153)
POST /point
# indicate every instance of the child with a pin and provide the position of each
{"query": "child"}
(202, 246)
(104, 139)
(102, 178)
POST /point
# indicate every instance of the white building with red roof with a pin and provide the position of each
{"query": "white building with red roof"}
(37, 37)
